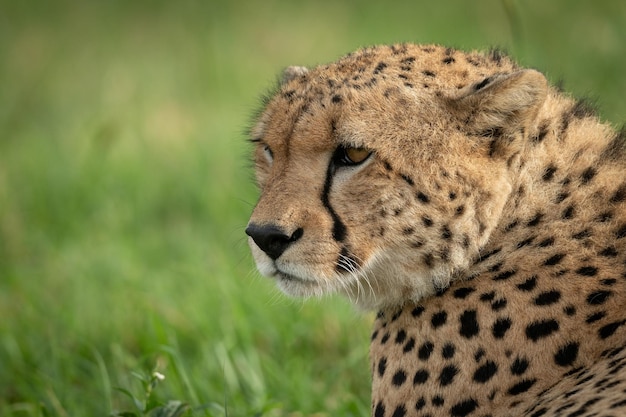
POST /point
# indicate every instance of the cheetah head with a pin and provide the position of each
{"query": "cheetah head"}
(383, 174)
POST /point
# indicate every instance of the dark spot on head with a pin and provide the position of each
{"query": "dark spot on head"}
(428, 73)
(587, 175)
(422, 197)
(554, 259)
(448, 60)
(620, 194)
(541, 134)
(535, 220)
(529, 284)
(548, 173)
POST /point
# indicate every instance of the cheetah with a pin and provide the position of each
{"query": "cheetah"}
(479, 210)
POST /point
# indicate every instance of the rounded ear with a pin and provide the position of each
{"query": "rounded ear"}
(291, 73)
(503, 102)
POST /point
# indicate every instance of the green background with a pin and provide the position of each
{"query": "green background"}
(125, 186)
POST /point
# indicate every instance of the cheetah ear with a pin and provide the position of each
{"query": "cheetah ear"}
(504, 103)
(291, 73)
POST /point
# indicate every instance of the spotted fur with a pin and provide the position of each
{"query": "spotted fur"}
(480, 210)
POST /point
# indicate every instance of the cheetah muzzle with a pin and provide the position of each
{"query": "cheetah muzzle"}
(481, 211)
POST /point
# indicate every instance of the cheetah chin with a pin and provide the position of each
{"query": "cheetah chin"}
(479, 209)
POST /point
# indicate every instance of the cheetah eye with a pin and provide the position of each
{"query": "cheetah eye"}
(268, 153)
(347, 156)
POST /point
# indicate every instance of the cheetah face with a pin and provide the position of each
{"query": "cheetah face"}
(374, 192)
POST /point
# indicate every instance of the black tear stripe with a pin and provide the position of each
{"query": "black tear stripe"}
(339, 229)
(345, 261)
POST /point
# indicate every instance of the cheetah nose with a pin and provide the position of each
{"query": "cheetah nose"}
(272, 239)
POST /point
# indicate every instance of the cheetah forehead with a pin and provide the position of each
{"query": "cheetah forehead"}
(416, 67)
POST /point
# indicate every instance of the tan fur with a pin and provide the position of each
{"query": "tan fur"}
(488, 225)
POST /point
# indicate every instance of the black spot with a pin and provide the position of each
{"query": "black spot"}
(446, 233)
(504, 275)
(610, 328)
(384, 339)
(568, 213)
(463, 292)
(417, 311)
(583, 108)
(511, 226)
(609, 252)
(543, 131)
(570, 310)
(525, 242)
(598, 297)
(498, 304)
(400, 411)
(519, 366)
(447, 375)
(562, 196)
(616, 149)
(407, 179)
(439, 319)
(382, 366)
(484, 257)
(438, 401)
(408, 231)
(421, 403)
(464, 408)
(583, 234)
(522, 386)
(535, 220)
(448, 351)
(547, 298)
(620, 194)
(554, 260)
(429, 73)
(422, 197)
(546, 242)
(459, 211)
(500, 327)
(529, 284)
(485, 372)
(429, 260)
(469, 325)
(425, 351)
(380, 67)
(410, 344)
(398, 378)
(420, 377)
(400, 337)
(588, 175)
(541, 329)
(621, 232)
(380, 410)
(567, 354)
(480, 353)
(488, 296)
(608, 281)
(336, 99)
(548, 174)
(427, 221)
(448, 60)
(587, 271)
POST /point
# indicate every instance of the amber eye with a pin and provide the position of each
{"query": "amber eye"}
(345, 156)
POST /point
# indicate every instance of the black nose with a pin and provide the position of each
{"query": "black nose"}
(272, 239)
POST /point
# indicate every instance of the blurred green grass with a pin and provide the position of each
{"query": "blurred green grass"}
(125, 187)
